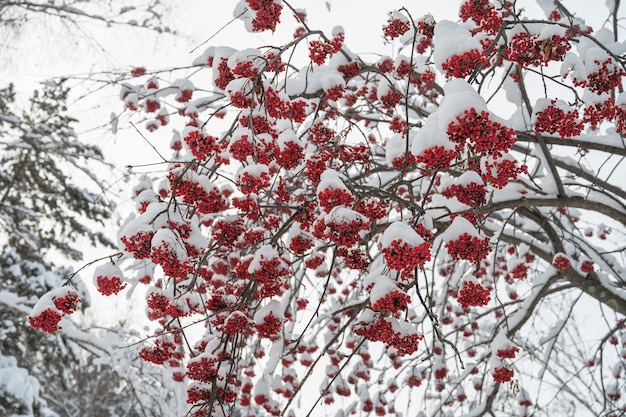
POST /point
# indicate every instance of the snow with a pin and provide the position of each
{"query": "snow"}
(330, 179)
(245, 55)
(512, 91)
(441, 206)
(328, 78)
(337, 30)
(242, 85)
(402, 231)
(243, 12)
(288, 135)
(274, 307)
(459, 96)
(451, 39)
(254, 170)
(15, 302)
(203, 59)
(548, 31)
(430, 135)
(547, 5)
(467, 178)
(108, 270)
(382, 286)
(46, 301)
(459, 226)
(172, 241)
(341, 214)
(395, 147)
(17, 382)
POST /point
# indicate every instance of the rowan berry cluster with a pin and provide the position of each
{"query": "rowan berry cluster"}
(52, 307)
(472, 194)
(483, 13)
(332, 197)
(554, 119)
(381, 329)
(462, 65)
(269, 327)
(486, 136)
(109, 285)
(468, 247)
(502, 375)
(47, 320)
(561, 262)
(473, 294)
(606, 77)
(401, 256)
(319, 51)
(437, 158)
(395, 28)
(529, 50)
(267, 14)
(507, 353)
(392, 302)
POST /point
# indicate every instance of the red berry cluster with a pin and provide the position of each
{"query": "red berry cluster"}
(401, 256)
(270, 326)
(52, 307)
(554, 119)
(69, 303)
(207, 198)
(250, 183)
(507, 353)
(390, 99)
(342, 226)
(437, 158)
(47, 320)
(381, 329)
(468, 247)
(267, 14)
(395, 28)
(332, 197)
(138, 71)
(426, 30)
(486, 136)
(392, 302)
(606, 77)
(529, 50)
(462, 65)
(483, 13)
(319, 51)
(502, 375)
(561, 262)
(473, 294)
(139, 244)
(472, 194)
(109, 285)
(587, 267)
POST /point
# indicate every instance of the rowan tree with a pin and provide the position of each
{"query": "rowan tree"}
(379, 232)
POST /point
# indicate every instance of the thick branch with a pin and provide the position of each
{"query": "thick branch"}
(570, 202)
(577, 143)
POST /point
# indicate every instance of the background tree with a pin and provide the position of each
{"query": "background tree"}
(52, 204)
(382, 226)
